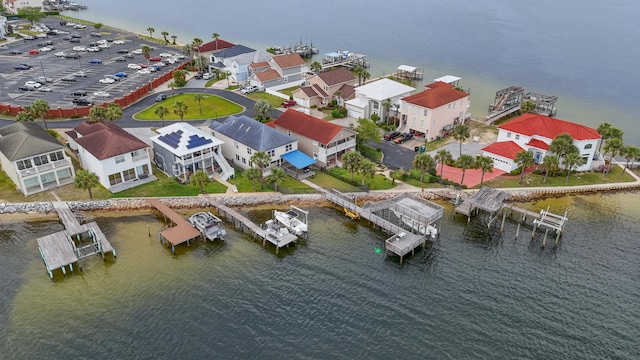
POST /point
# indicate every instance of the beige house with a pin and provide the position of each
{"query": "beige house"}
(321, 140)
(12, 6)
(279, 72)
(322, 88)
(435, 110)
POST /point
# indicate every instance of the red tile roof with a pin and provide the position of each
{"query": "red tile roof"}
(211, 46)
(288, 60)
(538, 144)
(506, 149)
(536, 124)
(435, 95)
(308, 126)
(337, 76)
(106, 140)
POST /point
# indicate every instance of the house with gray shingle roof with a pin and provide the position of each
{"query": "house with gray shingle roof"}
(235, 61)
(33, 159)
(279, 72)
(322, 88)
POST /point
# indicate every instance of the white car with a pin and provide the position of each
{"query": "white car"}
(103, 41)
(80, 26)
(137, 51)
(207, 76)
(180, 57)
(170, 61)
(102, 94)
(93, 49)
(79, 48)
(143, 71)
(134, 67)
(45, 89)
(118, 42)
(104, 46)
(34, 84)
(106, 81)
(60, 54)
(165, 55)
(45, 49)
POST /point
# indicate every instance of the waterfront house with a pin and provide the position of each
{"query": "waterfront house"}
(213, 46)
(33, 159)
(322, 88)
(534, 133)
(181, 149)
(120, 160)
(12, 6)
(372, 98)
(279, 72)
(244, 136)
(435, 110)
(321, 140)
(3, 26)
(235, 61)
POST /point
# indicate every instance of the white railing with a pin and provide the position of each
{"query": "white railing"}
(140, 157)
(336, 149)
(40, 168)
(227, 170)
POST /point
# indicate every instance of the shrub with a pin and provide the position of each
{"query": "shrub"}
(335, 113)
(375, 117)
(334, 102)
(53, 133)
(516, 171)
(314, 106)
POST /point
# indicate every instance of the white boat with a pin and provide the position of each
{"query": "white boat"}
(430, 230)
(275, 231)
(208, 224)
(291, 220)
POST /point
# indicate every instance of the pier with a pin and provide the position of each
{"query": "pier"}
(508, 101)
(178, 234)
(65, 248)
(344, 58)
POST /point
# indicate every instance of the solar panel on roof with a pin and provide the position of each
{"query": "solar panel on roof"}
(169, 141)
(196, 141)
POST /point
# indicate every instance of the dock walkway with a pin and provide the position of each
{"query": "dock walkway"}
(180, 233)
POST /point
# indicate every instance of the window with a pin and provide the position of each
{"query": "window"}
(249, 151)
(271, 152)
(288, 147)
(119, 159)
(326, 88)
(315, 143)
(588, 146)
(244, 161)
(376, 105)
(449, 105)
(425, 112)
(129, 175)
(115, 178)
(315, 156)
(289, 132)
(235, 143)
(517, 136)
(237, 157)
(134, 153)
(47, 178)
(508, 134)
(58, 155)
(63, 173)
(24, 164)
(41, 160)
(286, 79)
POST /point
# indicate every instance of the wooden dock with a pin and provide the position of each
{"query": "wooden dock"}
(181, 232)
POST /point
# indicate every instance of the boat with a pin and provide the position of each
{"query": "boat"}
(275, 231)
(351, 214)
(208, 224)
(291, 220)
(430, 230)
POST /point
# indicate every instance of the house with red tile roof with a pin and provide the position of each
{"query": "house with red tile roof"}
(534, 133)
(435, 110)
(213, 46)
(322, 88)
(119, 159)
(279, 72)
(321, 140)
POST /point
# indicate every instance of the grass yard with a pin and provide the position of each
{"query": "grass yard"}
(245, 185)
(377, 182)
(212, 107)
(166, 186)
(581, 178)
(328, 182)
(271, 99)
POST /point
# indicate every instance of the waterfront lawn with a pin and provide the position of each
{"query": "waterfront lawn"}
(212, 107)
(377, 182)
(166, 186)
(245, 185)
(575, 179)
(329, 182)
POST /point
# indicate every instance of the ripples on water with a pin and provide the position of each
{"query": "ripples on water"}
(473, 293)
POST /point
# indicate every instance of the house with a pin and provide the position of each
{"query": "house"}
(213, 46)
(323, 87)
(181, 149)
(3, 26)
(279, 72)
(244, 136)
(235, 61)
(534, 133)
(12, 6)
(321, 140)
(119, 159)
(33, 159)
(435, 110)
(372, 98)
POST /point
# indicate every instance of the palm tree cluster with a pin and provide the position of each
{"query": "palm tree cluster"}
(353, 162)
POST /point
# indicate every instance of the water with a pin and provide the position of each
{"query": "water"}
(471, 294)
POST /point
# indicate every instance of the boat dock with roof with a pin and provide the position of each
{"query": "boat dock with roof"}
(508, 101)
(344, 58)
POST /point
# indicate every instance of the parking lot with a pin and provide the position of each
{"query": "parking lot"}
(119, 50)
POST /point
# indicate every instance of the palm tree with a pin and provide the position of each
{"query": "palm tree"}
(359, 70)
(197, 42)
(40, 108)
(86, 180)
(550, 164)
(524, 159)
(613, 146)
(216, 36)
(423, 163)
(262, 160)
(572, 160)
(97, 114)
(113, 113)
(151, 31)
(161, 111)
(199, 98)
(527, 107)
(563, 145)
(253, 174)
(24, 116)
(465, 162)
(316, 67)
(485, 164)
(180, 108)
(200, 62)
(174, 37)
(386, 105)
(603, 130)
(630, 153)
(442, 156)
(188, 50)
(367, 169)
(172, 85)
(365, 75)
(164, 35)
(351, 161)
(278, 176)
(263, 109)
(461, 133)
(199, 179)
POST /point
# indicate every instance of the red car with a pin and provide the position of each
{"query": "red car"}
(288, 103)
(155, 59)
(34, 52)
(144, 66)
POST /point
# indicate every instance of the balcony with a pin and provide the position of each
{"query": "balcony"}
(338, 148)
(42, 168)
(140, 157)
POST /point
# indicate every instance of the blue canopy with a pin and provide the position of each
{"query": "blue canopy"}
(298, 159)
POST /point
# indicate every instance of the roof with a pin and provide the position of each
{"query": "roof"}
(548, 127)
(308, 126)
(233, 51)
(252, 57)
(182, 138)
(506, 149)
(251, 133)
(267, 75)
(449, 79)
(298, 159)
(337, 76)
(435, 95)
(22, 140)
(258, 65)
(106, 140)
(213, 46)
(288, 60)
(347, 91)
(536, 143)
(307, 90)
(407, 68)
(383, 89)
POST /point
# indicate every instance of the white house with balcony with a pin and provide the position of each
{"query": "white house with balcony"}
(182, 149)
(371, 98)
(33, 159)
(235, 61)
(534, 133)
(119, 159)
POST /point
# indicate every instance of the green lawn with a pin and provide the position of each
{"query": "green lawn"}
(327, 182)
(377, 182)
(245, 185)
(271, 99)
(212, 107)
(581, 178)
(289, 91)
(166, 186)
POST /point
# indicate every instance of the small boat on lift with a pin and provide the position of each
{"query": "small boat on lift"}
(291, 220)
(353, 215)
(208, 224)
(429, 230)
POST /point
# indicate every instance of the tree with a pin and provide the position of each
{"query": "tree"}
(278, 176)
(442, 156)
(563, 145)
(359, 69)
(386, 105)
(524, 159)
(146, 52)
(262, 160)
(188, 50)
(173, 37)
(367, 131)
(196, 42)
(113, 113)
(461, 133)
(253, 175)
(31, 13)
(200, 62)
(199, 98)
(97, 26)
(97, 114)
(24, 116)
(199, 179)
(550, 164)
(351, 161)
(613, 146)
(572, 160)
(215, 36)
(172, 85)
(423, 163)
(263, 109)
(161, 111)
(179, 78)
(485, 164)
(316, 67)
(164, 35)
(603, 130)
(527, 107)
(151, 31)
(630, 153)
(40, 108)
(365, 75)
(86, 180)
(465, 162)
(367, 169)
(180, 108)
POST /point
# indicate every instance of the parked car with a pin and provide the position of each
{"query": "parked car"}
(391, 135)
(34, 52)
(76, 36)
(79, 93)
(120, 74)
(247, 89)
(34, 84)
(67, 38)
(161, 97)
(83, 101)
(74, 40)
(95, 61)
(15, 52)
(43, 79)
(207, 76)
(28, 37)
(119, 59)
(69, 78)
(288, 103)
(95, 34)
(137, 51)
(22, 67)
(93, 49)
(60, 54)
(112, 77)
(80, 74)
(45, 89)
(26, 88)
(143, 71)
(118, 42)
(106, 81)
(102, 94)
(123, 51)
(72, 56)
(402, 138)
(134, 67)
(79, 48)
(155, 59)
